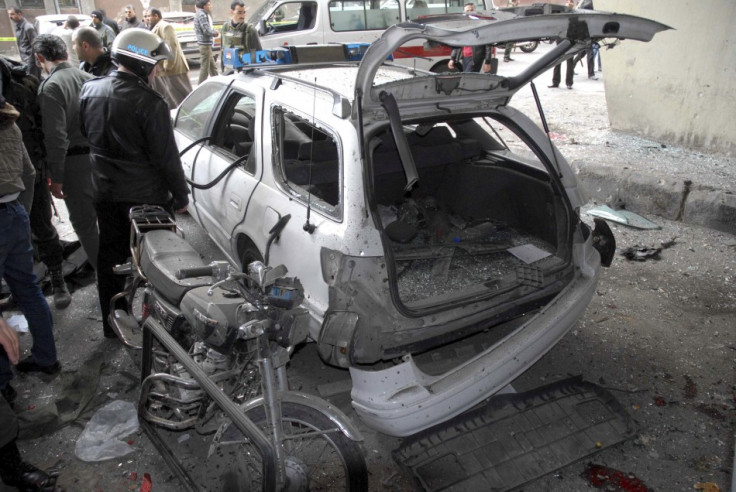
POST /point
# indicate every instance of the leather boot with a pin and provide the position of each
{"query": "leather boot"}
(17, 473)
(62, 297)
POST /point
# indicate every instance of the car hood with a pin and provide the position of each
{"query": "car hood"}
(573, 28)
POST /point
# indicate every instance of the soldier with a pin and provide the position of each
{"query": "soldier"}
(237, 33)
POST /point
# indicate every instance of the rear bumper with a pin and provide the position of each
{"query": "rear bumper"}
(403, 400)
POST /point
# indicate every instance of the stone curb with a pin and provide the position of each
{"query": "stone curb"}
(670, 198)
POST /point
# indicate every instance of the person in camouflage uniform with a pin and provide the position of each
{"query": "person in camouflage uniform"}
(237, 33)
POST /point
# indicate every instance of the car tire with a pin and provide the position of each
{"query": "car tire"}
(249, 253)
(442, 67)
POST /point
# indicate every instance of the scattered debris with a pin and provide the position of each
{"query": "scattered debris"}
(624, 217)
(99, 439)
(19, 323)
(711, 411)
(604, 241)
(641, 253)
(147, 484)
(707, 487)
(602, 477)
(691, 389)
(669, 243)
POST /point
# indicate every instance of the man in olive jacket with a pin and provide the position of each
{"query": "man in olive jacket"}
(236, 33)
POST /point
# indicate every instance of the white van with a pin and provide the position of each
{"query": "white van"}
(289, 22)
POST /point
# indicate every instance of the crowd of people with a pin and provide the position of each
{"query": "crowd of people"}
(84, 117)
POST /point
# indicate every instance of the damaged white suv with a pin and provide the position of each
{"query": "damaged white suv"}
(416, 208)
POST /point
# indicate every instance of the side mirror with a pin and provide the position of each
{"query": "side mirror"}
(262, 28)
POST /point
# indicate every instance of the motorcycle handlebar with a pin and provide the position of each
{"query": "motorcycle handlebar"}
(203, 271)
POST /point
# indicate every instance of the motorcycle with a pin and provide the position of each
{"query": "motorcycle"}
(216, 343)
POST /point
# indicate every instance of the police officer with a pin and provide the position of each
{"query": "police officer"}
(132, 149)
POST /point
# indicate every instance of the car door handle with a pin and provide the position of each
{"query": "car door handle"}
(235, 202)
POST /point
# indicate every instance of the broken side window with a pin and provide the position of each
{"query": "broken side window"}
(307, 161)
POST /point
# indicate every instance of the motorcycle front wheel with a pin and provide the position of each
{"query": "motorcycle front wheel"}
(318, 456)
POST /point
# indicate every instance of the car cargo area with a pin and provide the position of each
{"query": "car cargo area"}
(483, 219)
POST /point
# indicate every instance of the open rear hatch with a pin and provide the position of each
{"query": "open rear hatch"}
(478, 215)
(471, 206)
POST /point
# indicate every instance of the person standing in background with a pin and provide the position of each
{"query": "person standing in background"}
(206, 35)
(473, 58)
(237, 33)
(509, 46)
(25, 33)
(67, 150)
(109, 22)
(66, 32)
(21, 91)
(131, 20)
(95, 58)
(106, 33)
(172, 76)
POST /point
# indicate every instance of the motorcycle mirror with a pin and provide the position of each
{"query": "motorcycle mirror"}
(265, 276)
(273, 274)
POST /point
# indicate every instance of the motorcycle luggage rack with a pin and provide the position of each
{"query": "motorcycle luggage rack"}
(144, 218)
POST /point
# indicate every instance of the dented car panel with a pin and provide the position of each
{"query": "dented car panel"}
(403, 400)
(419, 208)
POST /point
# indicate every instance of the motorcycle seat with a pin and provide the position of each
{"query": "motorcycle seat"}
(164, 253)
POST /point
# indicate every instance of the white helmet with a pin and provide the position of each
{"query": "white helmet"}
(139, 51)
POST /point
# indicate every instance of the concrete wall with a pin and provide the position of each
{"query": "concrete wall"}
(681, 87)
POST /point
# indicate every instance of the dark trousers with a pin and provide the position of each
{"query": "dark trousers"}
(112, 219)
(114, 250)
(556, 73)
(469, 65)
(591, 55)
(45, 237)
(16, 267)
(9, 427)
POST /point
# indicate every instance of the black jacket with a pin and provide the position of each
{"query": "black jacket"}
(132, 148)
(102, 66)
(481, 55)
